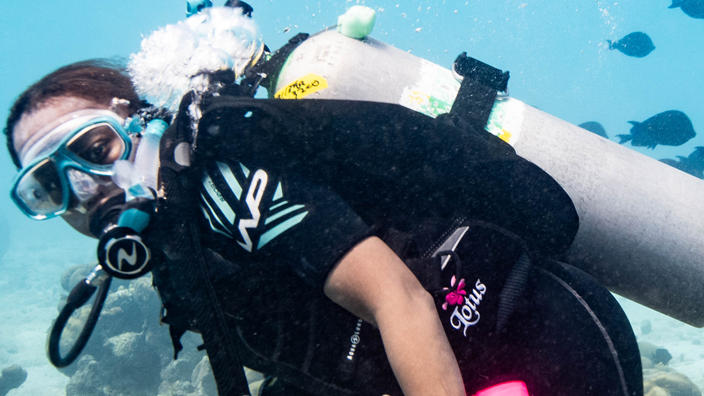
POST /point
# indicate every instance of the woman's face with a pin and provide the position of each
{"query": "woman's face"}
(29, 130)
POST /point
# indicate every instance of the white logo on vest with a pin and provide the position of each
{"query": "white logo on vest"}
(466, 312)
(253, 199)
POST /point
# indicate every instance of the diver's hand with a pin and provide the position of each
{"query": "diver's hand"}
(373, 283)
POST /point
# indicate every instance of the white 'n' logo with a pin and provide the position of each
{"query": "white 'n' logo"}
(123, 256)
(254, 197)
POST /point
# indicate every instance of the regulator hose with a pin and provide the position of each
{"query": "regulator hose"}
(76, 299)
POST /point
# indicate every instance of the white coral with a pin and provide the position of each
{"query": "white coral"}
(176, 58)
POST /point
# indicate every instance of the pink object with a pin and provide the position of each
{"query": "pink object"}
(513, 388)
(455, 297)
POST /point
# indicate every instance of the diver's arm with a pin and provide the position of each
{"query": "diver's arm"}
(373, 283)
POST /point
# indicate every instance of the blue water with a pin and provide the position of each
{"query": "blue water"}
(555, 50)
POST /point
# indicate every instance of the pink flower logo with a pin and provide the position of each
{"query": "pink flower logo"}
(454, 297)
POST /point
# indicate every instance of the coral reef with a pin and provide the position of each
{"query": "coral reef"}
(74, 274)
(129, 353)
(666, 381)
(660, 380)
(12, 377)
(654, 353)
(127, 349)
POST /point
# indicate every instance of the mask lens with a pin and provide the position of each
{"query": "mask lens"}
(40, 189)
(98, 144)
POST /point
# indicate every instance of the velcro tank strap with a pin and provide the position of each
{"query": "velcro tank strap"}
(477, 94)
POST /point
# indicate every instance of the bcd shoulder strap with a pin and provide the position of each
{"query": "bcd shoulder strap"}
(183, 280)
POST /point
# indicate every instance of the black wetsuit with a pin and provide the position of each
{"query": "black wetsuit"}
(283, 195)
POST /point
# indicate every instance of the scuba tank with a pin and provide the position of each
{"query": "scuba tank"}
(640, 224)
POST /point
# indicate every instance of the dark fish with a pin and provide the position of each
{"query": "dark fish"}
(694, 164)
(670, 128)
(693, 8)
(697, 156)
(636, 44)
(672, 162)
(661, 355)
(594, 127)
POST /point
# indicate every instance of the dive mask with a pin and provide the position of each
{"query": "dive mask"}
(69, 162)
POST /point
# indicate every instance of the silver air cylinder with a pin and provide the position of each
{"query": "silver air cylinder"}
(641, 225)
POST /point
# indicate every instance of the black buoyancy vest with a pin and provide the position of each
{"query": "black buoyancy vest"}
(386, 162)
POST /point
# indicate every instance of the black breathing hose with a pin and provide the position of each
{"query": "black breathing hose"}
(78, 296)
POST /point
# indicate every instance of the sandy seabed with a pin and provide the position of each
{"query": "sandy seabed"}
(28, 301)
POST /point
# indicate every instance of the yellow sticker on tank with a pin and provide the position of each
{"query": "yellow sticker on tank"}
(302, 87)
(505, 136)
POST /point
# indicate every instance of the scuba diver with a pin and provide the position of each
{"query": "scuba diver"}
(342, 247)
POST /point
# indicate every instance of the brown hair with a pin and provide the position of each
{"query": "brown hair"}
(98, 80)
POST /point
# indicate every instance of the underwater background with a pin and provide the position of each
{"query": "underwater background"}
(556, 51)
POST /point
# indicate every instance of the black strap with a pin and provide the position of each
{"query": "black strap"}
(266, 73)
(477, 93)
(176, 332)
(210, 320)
(185, 282)
(512, 293)
(193, 305)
